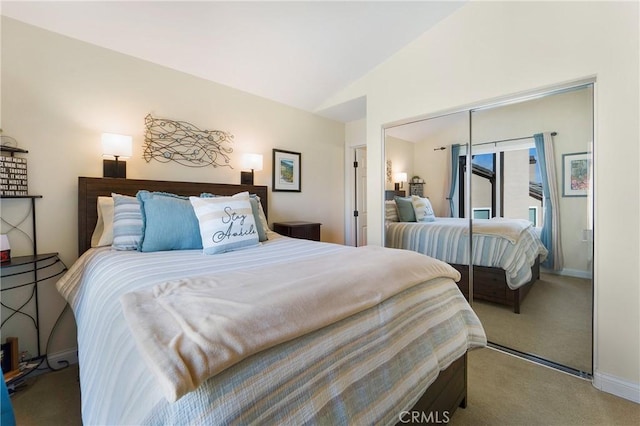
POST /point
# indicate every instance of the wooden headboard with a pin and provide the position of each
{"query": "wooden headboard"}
(89, 189)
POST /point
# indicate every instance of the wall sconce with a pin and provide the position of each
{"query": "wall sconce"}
(5, 249)
(253, 162)
(400, 178)
(117, 146)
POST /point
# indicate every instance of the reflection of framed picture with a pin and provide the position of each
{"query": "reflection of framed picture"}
(576, 174)
(286, 171)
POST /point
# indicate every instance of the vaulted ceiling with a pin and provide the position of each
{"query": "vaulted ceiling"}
(296, 53)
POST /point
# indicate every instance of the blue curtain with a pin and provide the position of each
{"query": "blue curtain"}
(455, 154)
(546, 235)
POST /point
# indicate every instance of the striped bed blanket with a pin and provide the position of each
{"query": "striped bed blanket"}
(447, 239)
(393, 349)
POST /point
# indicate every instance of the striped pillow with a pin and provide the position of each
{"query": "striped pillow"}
(127, 222)
(226, 223)
(391, 211)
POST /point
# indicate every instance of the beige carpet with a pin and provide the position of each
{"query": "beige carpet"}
(554, 323)
(503, 390)
(50, 399)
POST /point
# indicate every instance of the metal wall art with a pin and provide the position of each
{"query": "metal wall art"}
(182, 142)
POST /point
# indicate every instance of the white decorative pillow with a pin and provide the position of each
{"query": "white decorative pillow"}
(391, 211)
(422, 208)
(226, 223)
(258, 214)
(103, 232)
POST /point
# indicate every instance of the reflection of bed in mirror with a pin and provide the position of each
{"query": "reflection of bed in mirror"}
(362, 368)
(506, 253)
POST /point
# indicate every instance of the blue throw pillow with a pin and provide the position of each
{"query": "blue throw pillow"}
(169, 223)
(405, 209)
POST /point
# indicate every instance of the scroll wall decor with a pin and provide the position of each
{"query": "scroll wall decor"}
(168, 140)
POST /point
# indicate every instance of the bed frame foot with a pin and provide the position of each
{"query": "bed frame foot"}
(463, 403)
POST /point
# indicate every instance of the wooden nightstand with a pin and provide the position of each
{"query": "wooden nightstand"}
(298, 229)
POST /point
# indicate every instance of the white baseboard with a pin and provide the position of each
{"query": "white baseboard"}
(617, 386)
(57, 360)
(576, 273)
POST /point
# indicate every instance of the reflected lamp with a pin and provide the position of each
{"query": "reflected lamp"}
(399, 179)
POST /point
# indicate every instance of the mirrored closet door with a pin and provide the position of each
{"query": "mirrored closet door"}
(527, 175)
(532, 161)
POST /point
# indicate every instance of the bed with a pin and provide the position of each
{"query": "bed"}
(506, 253)
(394, 355)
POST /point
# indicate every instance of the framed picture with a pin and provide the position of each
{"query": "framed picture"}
(576, 174)
(286, 171)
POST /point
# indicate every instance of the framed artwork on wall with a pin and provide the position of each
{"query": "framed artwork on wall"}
(576, 174)
(286, 171)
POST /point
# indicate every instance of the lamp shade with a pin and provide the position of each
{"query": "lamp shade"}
(4, 242)
(5, 249)
(401, 177)
(252, 161)
(115, 145)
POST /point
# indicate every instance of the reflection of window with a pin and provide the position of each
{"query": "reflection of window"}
(506, 179)
(484, 161)
(533, 215)
(483, 167)
(481, 212)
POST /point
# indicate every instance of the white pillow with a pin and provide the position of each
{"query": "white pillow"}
(422, 208)
(226, 223)
(103, 232)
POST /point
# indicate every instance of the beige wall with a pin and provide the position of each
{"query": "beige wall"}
(59, 95)
(433, 164)
(488, 50)
(516, 197)
(401, 154)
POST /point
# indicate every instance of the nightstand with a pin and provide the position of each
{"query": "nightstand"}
(25, 273)
(298, 229)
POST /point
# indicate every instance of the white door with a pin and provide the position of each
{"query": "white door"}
(361, 196)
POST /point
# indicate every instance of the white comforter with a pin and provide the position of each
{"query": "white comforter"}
(510, 229)
(191, 329)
